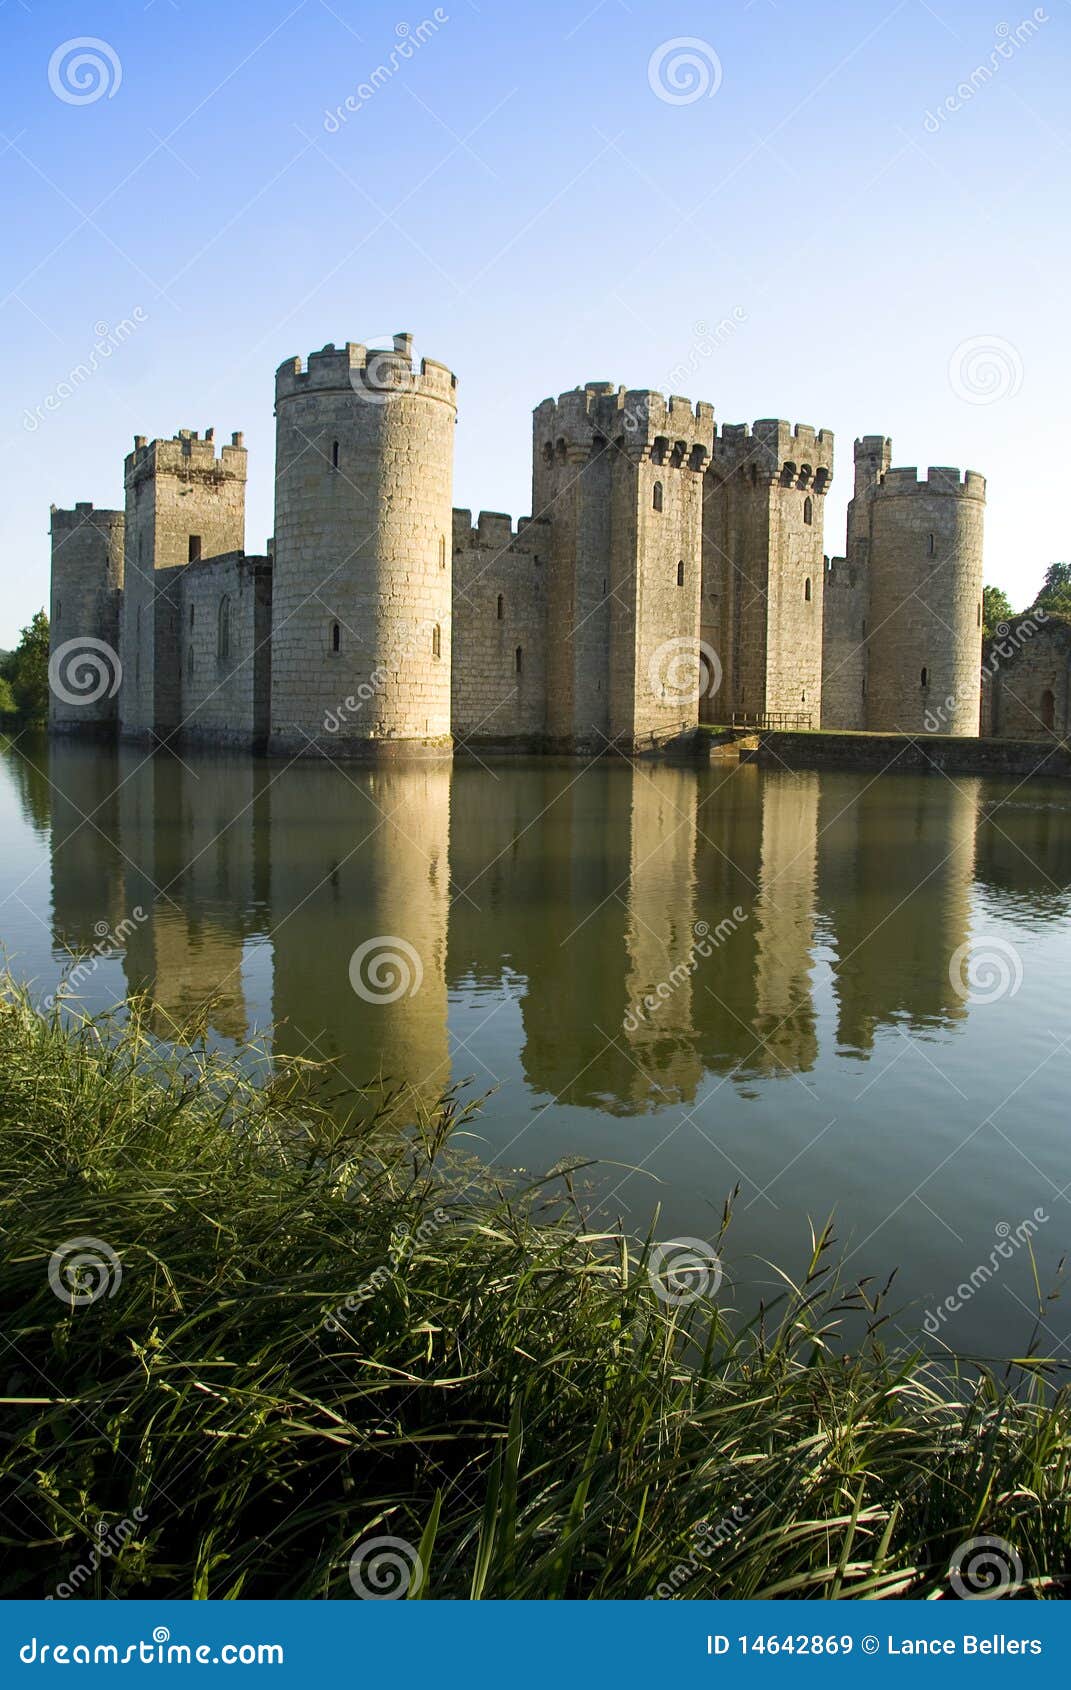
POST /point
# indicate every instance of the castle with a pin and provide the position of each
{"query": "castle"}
(672, 573)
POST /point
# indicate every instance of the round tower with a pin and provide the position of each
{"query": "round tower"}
(925, 637)
(87, 582)
(362, 573)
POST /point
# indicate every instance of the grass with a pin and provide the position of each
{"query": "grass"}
(496, 1387)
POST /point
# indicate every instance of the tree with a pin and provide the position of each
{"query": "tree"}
(996, 608)
(1055, 594)
(7, 698)
(27, 670)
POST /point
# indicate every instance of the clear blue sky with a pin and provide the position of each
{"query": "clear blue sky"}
(518, 195)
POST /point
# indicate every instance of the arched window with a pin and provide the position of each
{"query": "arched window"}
(656, 496)
(933, 545)
(223, 637)
(442, 551)
(807, 589)
(436, 641)
(680, 573)
(500, 607)
(334, 454)
(925, 680)
(808, 510)
(548, 452)
(518, 660)
(336, 637)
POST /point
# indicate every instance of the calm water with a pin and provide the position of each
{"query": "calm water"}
(820, 1055)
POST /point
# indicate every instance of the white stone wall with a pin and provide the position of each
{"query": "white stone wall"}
(363, 527)
(225, 678)
(925, 636)
(499, 610)
(87, 580)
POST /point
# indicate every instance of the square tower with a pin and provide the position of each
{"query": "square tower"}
(763, 568)
(183, 503)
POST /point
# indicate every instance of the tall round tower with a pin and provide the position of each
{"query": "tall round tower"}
(362, 573)
(924, 642)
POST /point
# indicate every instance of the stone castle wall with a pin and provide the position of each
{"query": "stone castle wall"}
(672, 573)
(86, 593)
(362, 561)
(925, 639)
(182, 502)
(1026, 675)
(498, 669)
(224, 606)
(763, 567)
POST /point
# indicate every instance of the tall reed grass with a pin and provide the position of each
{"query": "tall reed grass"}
(310, 1332)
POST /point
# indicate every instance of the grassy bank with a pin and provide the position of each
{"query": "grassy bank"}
(306, 1336)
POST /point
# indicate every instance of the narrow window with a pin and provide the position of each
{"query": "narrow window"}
(442, 551)
(336, 637)
(191, 616)
(979, 613)
(518, 660)
(807, 589)
(925, 677)
(808, 511)
(656, 497)
(189, 663)
(223, 642)
(933, 545)
(548, 452)
(436, 641)
(1048, 710)
(864, 625)
(334, 454)
(59, 606)
(500, 607)
(680, 573)
(195, 548)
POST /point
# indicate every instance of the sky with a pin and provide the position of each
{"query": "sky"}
(847, 214)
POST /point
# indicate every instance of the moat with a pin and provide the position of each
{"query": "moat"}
(697, 977)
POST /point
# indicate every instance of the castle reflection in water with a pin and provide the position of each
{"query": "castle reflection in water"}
(575, 895)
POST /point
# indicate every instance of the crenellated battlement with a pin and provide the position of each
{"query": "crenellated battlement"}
(85, 512)
(635, 419)
(801, 456)
(494, 531)
(379, 372)
(186, 455)
(939, 479)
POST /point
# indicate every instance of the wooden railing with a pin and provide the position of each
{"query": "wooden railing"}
(784, 720)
